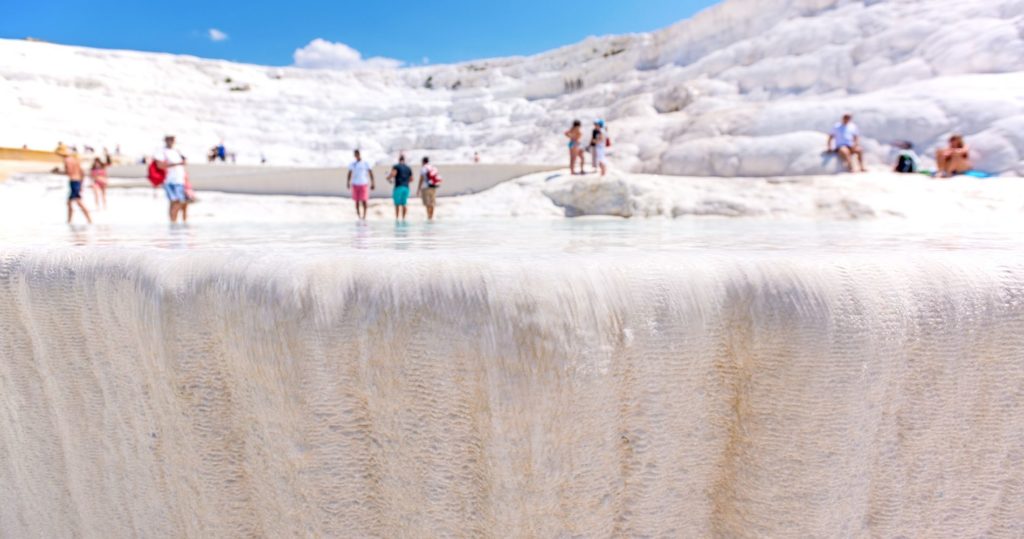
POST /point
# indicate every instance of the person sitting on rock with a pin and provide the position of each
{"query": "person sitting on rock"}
(954, 159)
(847, 143)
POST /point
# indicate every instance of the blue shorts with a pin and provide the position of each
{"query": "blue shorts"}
(400, 195)
(76, 190)
(175, 191)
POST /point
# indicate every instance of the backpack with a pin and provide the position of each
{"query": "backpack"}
(434, 178)
(905, 164)
(155, 174)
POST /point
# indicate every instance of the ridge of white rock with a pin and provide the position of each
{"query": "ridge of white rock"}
(184, 393)
(745, 88)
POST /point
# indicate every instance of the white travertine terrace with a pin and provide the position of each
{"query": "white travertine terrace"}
(746, 88)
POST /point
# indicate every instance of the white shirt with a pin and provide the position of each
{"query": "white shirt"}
(175, 174)
(425, 175)
(844, 134)
(360, 172)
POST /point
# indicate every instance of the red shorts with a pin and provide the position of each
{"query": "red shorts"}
(361, 193)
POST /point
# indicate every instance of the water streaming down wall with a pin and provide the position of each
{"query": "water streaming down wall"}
(165, 394)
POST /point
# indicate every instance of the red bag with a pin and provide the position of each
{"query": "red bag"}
(434, 178)
(156, 174)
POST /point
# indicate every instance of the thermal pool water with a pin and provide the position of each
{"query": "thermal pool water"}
(512, 379)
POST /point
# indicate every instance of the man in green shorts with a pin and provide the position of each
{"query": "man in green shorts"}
(401, 176)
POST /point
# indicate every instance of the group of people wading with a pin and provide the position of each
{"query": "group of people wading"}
(167, 170)
(361, 182)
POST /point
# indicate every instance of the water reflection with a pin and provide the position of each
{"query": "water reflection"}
(532, 237)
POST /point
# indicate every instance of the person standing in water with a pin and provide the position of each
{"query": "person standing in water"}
(430, 180)
(401, 177)
(98, 173)
(575, 136)
(172, 163)
(73, 169)
(360, 181)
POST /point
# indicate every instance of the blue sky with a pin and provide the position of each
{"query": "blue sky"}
(407, 30)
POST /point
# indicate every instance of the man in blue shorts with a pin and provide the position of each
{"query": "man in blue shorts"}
(173, 163)
(401, 176)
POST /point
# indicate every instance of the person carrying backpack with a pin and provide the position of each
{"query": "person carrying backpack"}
(430, 181)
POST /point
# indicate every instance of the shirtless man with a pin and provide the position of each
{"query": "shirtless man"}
(847, 143)
(73, 169)
(955, 159)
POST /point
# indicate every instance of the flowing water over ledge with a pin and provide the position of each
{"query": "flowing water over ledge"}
(510, 379)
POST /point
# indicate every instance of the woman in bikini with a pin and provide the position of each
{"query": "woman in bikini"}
(98, 173)
(575, 136)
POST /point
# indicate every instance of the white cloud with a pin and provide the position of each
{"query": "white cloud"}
(216, 35)
(323, 54)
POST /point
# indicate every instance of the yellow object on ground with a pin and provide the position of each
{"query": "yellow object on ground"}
(21, 154)
(18, 160)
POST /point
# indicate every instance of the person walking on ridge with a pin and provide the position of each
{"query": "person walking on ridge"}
(170, 160)
(430, 180)
(73, 170)
(361, 182)
(847, 143)
(401, 177)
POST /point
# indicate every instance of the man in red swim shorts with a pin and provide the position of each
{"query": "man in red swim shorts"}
(361, 182)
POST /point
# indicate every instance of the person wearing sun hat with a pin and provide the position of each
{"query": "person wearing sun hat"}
(73, 170)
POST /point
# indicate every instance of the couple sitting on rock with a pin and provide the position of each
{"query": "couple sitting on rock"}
(955, 159)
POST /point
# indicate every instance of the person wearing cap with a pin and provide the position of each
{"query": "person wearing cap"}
(401, 177)
(594, 134)
(599, 143)
(73, 169)
(172, 162)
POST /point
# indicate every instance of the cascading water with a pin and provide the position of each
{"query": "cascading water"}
(200, 393)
